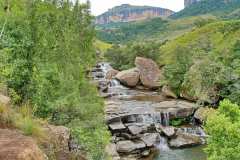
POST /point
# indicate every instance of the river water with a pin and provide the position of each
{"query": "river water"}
(194, 153)
(133, 98)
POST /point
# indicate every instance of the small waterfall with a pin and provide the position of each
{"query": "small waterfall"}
(157, 117)
(163, 144)
(114, 83)
(166, 119)
(197, 131)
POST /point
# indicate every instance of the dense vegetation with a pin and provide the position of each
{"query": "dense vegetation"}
(219, 8)
(46, 48)
(156, 29)
(122, 57)
(204, 64)
(223, 126)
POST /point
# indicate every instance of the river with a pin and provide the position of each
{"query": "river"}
(127, 107)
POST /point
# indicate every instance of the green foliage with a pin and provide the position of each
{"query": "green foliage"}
(155, 29)
(204, 63)
(123, 57)
(216, 7)
(223, 128)
(46, 48)
(177, 122)
(124, 32)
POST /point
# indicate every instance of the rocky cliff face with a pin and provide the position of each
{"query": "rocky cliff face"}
(128, 13)
(189, 2)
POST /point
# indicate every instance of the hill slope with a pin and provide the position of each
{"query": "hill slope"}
(204, 63)
(129, 13)
(215, 7)
(157, 29)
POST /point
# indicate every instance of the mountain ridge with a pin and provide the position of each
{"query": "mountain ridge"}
(130, 13)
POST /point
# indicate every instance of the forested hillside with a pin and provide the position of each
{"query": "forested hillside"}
(46, 49)
(215, 7)
(155, 29)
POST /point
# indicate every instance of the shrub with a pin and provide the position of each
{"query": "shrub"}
(223, 129)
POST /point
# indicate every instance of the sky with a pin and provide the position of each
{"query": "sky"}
(100, 6)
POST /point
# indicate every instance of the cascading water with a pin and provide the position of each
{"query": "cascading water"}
(166, 118)
(163, 144)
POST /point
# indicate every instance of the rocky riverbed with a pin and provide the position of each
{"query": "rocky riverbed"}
(139, 117)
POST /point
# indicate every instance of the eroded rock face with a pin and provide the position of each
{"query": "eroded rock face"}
(129, 77)
(15, 146)
(150, 74)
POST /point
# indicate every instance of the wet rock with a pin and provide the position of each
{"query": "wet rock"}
(4, 99)
(15, 146)
(117, 126)
(103, 86)
(146, 153)
(135, 130)
(129, 146)
(129, 77)
(167, 91)
(185, 140)
(169, 131)
(99, 75)
(150, 73)
(150, 139)
(128, 136)
(202, 114)
(97, 70)
(176, 108)
(111, 74)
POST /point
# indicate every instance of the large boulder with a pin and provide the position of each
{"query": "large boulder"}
(129, 146)
(15, 146)
(185, 140)
(129, 77)
(150, 74)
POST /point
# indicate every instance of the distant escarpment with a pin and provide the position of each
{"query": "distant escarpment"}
(129, 13)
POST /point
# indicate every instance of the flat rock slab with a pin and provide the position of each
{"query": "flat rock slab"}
(133, 111)
(185, 140)
(129, 146)
(117, 126)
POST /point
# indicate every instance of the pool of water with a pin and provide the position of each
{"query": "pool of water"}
(195, 153)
